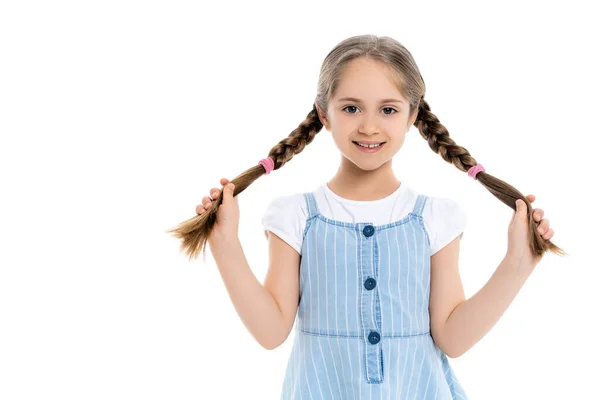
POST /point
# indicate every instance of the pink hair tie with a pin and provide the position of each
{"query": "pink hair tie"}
(268, 163)
(474, 170)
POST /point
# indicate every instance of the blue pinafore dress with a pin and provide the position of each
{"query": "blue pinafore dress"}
(362, 327)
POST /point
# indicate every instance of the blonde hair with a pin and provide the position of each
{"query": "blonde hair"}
(196, 230)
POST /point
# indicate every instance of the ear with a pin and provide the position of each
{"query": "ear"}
(413, 118)
(323, 118)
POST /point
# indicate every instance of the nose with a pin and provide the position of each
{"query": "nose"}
(368, 124)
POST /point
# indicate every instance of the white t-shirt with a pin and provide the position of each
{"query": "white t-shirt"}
(286, 216)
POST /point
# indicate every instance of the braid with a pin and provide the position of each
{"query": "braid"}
(304, 134)
(439, 141)
(195, 231)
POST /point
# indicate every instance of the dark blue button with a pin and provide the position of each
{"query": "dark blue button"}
(370, 283)
(368, 230)
(374, 337)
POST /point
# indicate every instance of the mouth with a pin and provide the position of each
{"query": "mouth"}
(369, 149)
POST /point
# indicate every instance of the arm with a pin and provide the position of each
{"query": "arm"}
(268, 311)
(457, 324)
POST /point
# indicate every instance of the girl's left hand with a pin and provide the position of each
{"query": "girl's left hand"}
(518, 230)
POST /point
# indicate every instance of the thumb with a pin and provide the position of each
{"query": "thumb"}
(228, 193)
(521, 211)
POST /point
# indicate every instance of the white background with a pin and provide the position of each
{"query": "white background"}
(117, 117)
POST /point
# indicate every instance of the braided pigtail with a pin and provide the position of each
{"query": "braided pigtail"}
(439, 141)
(195, 231)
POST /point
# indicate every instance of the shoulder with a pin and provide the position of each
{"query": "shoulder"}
(286, 216)
(442, 207)
(291, 203)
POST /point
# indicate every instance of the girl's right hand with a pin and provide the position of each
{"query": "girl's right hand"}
(228, 214)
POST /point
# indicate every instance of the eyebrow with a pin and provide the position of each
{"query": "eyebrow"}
(360, 101)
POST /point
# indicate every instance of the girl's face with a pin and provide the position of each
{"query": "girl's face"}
(367, 107)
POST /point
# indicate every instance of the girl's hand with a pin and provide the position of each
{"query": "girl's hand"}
(518, 240)
(228, 214)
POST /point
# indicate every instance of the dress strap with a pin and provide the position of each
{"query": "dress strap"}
(311, 204)
(419, 205)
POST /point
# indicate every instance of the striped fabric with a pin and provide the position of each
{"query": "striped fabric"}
(362, 328)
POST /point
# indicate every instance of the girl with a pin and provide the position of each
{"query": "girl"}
(368, 266)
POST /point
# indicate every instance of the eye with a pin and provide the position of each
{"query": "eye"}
(349, 106)
(385, 108)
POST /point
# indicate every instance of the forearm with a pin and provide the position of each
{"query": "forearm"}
(472, 319)
(255, 306)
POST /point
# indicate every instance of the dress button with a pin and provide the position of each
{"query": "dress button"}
(368, 230)
(374, 337)
(370, 283)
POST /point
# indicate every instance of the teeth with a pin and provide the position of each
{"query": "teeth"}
(370, 146)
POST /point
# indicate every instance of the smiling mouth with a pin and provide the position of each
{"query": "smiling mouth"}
(378, 144)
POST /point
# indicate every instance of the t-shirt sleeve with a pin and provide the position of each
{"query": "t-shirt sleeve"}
(445, 219)
(284, 216)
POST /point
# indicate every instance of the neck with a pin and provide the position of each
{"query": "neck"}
(353, 183)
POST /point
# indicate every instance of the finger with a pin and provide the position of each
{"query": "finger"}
(548, 234)
(543, 227)
(200, 209)
(531, 198)
(214, 193)
(538, 214)
(206, 202)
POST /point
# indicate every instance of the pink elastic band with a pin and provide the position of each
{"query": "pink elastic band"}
(474, 170)
(268, 163)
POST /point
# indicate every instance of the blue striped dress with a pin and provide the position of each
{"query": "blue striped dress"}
(362, 328)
